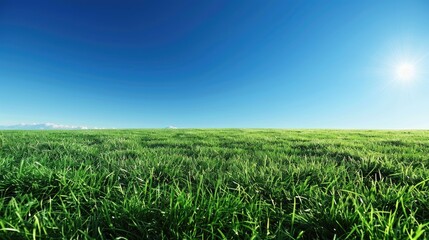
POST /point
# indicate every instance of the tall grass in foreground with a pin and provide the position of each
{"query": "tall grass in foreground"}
(214, 184)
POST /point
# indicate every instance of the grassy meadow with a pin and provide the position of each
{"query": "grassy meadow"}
(214, 184)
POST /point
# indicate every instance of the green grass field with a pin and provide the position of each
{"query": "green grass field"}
(214, 184)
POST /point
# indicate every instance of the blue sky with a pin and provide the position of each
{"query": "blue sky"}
(270, 64)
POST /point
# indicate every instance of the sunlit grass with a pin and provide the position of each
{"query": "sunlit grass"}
(214, 184)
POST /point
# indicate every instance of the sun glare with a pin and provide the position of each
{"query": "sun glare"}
(405, 71)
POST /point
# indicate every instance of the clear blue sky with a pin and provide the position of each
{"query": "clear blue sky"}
(275, 64)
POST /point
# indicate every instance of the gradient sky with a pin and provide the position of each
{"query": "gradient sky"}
(270, 64)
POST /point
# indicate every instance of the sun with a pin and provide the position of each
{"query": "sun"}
(405, 71)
